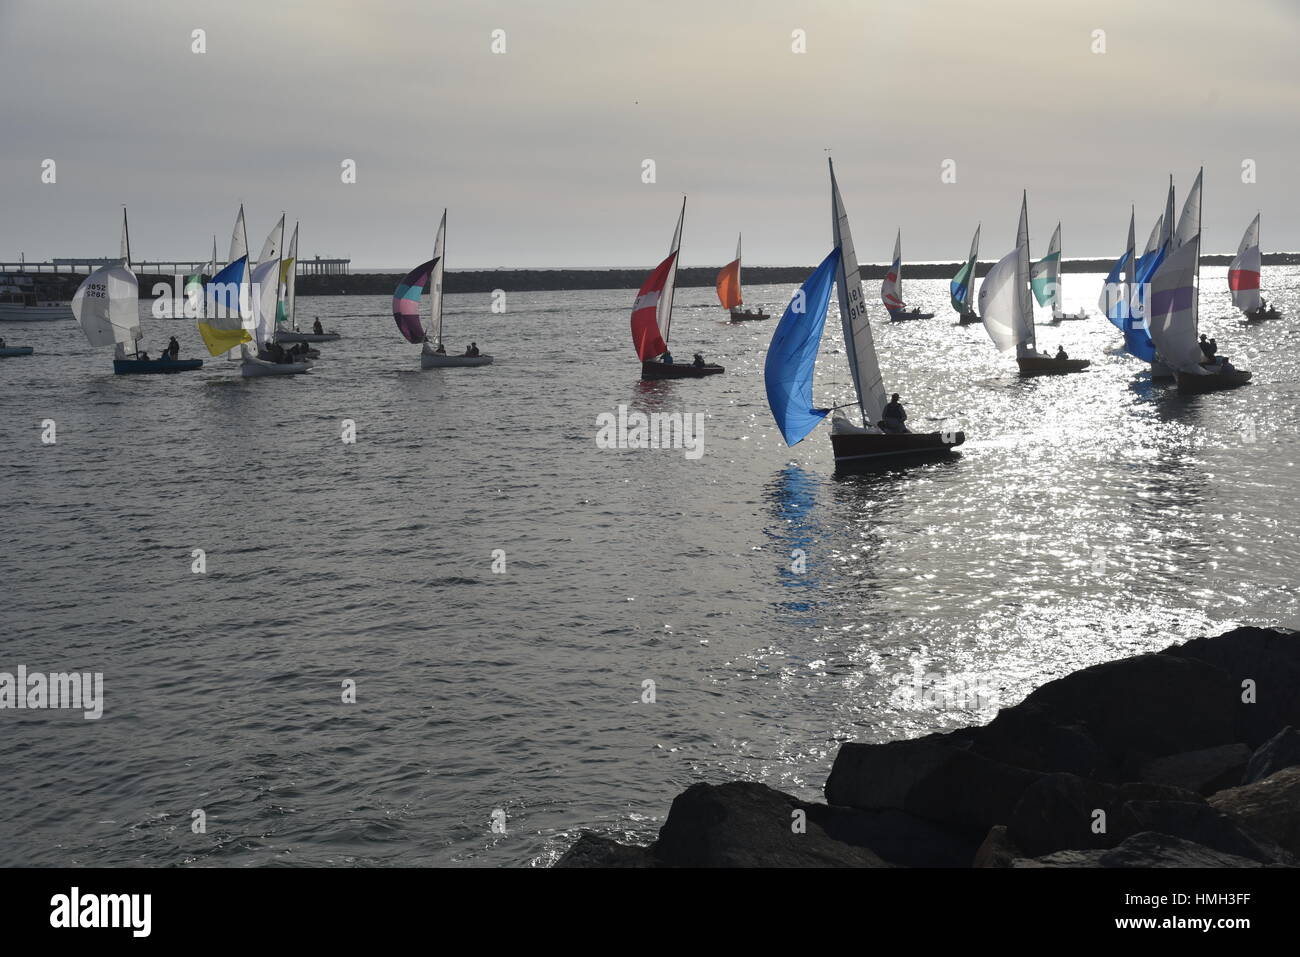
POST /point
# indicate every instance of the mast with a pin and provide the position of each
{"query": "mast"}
(1200, 204)
(126, 237)
(291, 282)
(440, 253)
(672, 285)
(739, 287)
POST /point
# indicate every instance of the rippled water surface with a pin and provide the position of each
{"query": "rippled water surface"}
(1089, 517)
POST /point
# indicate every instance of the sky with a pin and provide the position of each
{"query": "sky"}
(538, 152)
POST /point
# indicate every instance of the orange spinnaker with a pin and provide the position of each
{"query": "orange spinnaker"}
(729, 285)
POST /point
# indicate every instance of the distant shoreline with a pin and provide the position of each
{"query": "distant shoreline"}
(62, 285)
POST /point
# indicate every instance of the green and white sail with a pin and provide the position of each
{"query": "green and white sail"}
(961, 290)
(1045, 276)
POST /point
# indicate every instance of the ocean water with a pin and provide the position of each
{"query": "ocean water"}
(778, 610)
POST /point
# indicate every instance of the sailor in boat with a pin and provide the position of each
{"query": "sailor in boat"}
(173, 350)
(666, 358)
(1061, 353)
(894, 416)
(699, 361)
(1208, 348)
(441, 350)
(472, 350)
(317, 328)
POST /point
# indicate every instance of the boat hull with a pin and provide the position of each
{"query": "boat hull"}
(256, 368)
(1075, 317)
(678, 370)
(967, 319)
(858, 448)
(434, 361)
(292, 337)
(1214, 382)
(9, 351)
(741, 316)
(309, 354)
(1046, 365)
(50, 312)
(903, 315)
(154, 366)
(1262, 315)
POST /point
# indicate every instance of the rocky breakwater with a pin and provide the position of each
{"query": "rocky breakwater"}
(1189, 757)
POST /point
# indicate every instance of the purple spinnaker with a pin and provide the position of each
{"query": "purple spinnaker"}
(406, 301)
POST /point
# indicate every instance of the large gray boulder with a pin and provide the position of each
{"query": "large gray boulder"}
(1059, 812)
(1268, 657)
(1268, 809)
(1204, 771)
(743, 824)
(1147, 849)
(963, 792)
(1143, 707)
(1278, 752)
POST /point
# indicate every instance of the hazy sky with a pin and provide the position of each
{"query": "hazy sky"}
(538, 152)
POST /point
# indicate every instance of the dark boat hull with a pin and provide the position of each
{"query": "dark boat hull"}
(748, 316)
(1262, 316)
(905, 316)
(1214, 382)
(867, 448)
(678, 370)
(967, 318)
(1040, 365)
(155, 366)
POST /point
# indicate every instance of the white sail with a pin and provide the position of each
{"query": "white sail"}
(274, 245)
(1243, 273)
(1172, 322)
(125, 245)
(664, 308)
(891, 290)
(861, 351)
(1002, 304)
(435, 283)
(1045, 275)
(1189, 222)
(289, 270)
(1025, 314)
(106, 306)
(1167, 221)
(1153, 241)
(266, 287)
(238, 238)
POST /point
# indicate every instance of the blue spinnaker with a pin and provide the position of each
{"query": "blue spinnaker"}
(792, 355)
(223, 289)
(1137, 338)
(1115, 310)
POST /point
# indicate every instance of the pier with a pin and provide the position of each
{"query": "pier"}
(315, 266)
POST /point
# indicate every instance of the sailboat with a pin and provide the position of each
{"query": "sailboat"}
(961, 291)
(891, 290)
(728, 286)
(1119, 301)
(257, 359)
(107, 307)
(1007, 309)
(1045, 279)
(9, 352)
(406, 310)
(652, 318)
(1174, 309)
(1243, 277)
(792, 358)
